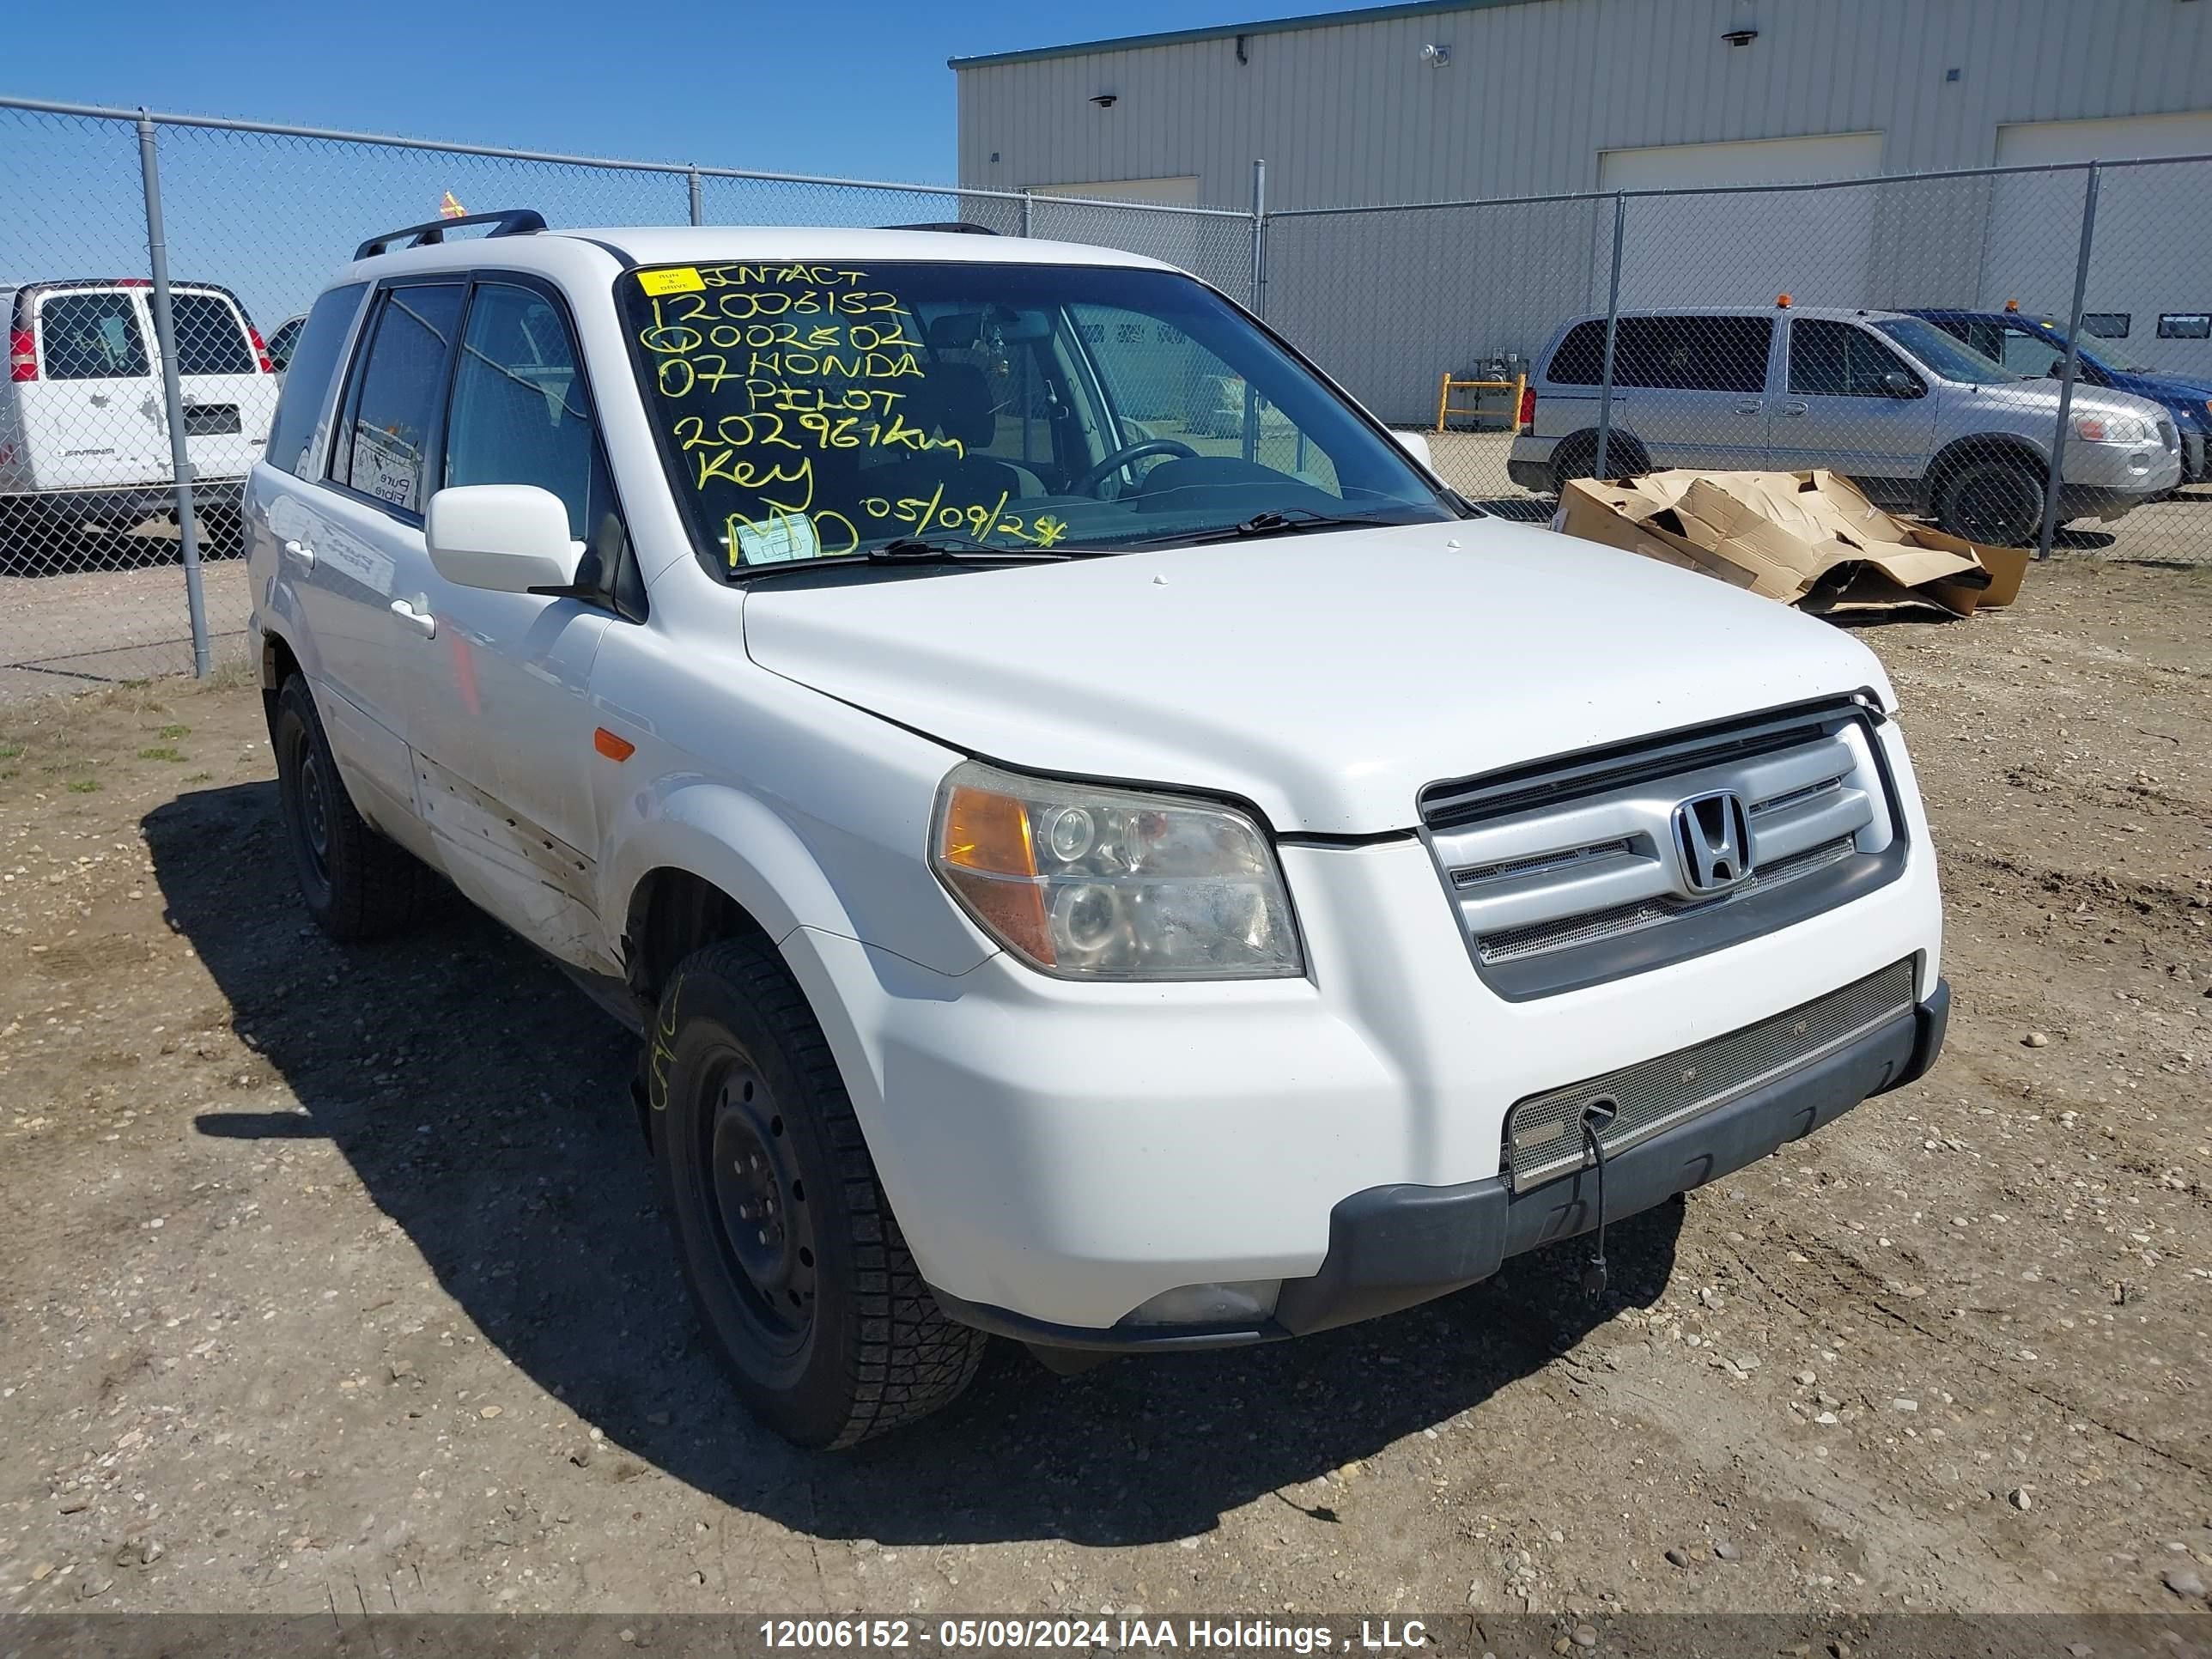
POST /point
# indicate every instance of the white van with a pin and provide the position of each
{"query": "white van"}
(84, 434)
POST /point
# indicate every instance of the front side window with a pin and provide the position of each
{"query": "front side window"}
(383, 447)
(813, 410)
(91, 337)
(1836, 359)
(211, 335)
(520, 414)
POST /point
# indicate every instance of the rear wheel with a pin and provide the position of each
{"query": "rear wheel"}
(355, 883)
(1577, 457)
(808, 1291)
(1999, 502)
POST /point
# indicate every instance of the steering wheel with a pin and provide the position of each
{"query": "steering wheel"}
(1089, 483)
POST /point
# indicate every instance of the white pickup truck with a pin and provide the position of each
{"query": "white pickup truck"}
(1077, 872)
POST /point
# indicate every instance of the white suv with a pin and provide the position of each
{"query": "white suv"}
(1076, 875)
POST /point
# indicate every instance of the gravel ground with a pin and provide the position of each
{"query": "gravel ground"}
(337, 1278)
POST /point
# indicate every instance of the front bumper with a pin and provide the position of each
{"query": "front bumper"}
(2105, 481)
(1393, 1247)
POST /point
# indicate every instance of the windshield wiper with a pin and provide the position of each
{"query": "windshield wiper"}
(913, 549)
(1284, 521)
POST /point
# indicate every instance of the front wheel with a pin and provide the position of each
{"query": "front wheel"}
(813, 1302)
(1999, 502)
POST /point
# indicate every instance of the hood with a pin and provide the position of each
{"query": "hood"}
(1325, 677)
(2040, 397)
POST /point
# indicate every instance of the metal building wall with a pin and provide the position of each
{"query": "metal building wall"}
(1347, 111)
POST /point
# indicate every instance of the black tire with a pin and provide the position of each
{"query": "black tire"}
(1577, 457)
(1998, 500)
(797, 1265)
(355, 883)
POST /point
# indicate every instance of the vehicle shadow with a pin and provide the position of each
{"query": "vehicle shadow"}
(483, 1102)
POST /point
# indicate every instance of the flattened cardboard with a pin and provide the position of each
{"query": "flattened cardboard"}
(1811, 539)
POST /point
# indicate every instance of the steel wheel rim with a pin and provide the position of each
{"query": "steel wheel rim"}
(763, 1223)
(1995, 507)
(312, 809)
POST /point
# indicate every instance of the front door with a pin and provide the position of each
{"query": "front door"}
(499, 716)
(1852, 404)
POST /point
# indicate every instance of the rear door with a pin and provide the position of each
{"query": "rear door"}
(364, 529)
(227, 397)
(1697, 387)
(1841, 407)
(92, 416)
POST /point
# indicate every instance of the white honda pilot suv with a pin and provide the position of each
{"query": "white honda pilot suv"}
(1081, 867)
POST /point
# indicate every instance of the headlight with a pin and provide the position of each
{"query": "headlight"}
(1090, 883)
(2110, 428)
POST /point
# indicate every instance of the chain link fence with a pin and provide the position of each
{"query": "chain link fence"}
(154, 269)
(1951, 341)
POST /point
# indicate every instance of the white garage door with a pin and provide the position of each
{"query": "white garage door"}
(1745, 249)
(2147, 261)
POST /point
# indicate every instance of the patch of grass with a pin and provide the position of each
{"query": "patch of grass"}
(197, 777)
(10, 751)
(84, 786)
(160, 752)
(173, 731)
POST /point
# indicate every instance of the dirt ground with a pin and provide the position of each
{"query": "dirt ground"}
(338, 1277)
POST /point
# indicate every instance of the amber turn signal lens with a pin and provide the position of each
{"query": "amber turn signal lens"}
(988, 855)
(614, 748)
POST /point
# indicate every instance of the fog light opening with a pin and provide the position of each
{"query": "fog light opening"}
(1240, 1302)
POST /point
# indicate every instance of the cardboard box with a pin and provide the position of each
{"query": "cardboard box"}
(1810, 539)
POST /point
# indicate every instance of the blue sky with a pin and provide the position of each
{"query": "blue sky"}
(857, 88)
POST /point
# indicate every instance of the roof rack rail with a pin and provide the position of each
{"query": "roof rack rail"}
(957, 227)
(507, 221)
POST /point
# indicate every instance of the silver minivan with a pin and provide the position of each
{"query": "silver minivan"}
(1924, 424)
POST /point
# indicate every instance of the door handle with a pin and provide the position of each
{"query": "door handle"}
(302, 552)
(1749, 406)
(420, 621)
(1793, 408)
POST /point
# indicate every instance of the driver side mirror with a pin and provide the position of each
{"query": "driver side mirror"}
(1417, 446)
(1898, 384)
(504, 538)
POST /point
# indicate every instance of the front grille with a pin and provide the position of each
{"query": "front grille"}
(1573, 870)
(1543, 1132)
(1630, 918)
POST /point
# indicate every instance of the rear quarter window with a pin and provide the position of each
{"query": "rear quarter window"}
(307, 381)
(1580, 360)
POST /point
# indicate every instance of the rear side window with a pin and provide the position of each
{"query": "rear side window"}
(385, 441)
(211, 335)
(91, 337)
(307, 381)
(1694, 354)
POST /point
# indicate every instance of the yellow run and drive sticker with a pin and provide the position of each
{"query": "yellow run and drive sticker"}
(682, 279)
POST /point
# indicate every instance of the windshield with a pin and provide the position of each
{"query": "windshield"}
(1948, 356)
(813, 410)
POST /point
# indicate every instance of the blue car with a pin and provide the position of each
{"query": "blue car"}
(2037, 345)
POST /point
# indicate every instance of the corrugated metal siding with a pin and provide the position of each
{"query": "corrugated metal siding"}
(1348, 112)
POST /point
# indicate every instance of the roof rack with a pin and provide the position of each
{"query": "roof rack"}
(957, 227)
(507, 221)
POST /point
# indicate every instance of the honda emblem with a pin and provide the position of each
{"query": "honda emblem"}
(1712, 835)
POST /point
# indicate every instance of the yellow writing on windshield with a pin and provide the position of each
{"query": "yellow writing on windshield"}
(812, 414)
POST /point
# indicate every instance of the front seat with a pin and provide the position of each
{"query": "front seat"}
(955, 401)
